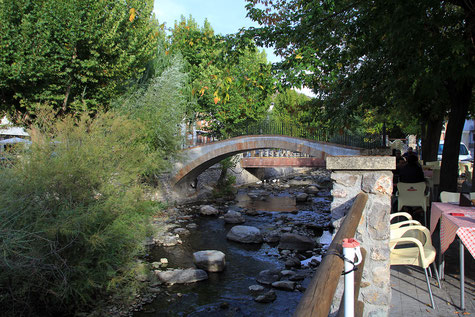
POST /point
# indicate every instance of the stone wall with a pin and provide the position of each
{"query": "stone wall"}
(372, 175)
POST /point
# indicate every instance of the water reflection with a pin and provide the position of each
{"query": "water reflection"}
(267, 203)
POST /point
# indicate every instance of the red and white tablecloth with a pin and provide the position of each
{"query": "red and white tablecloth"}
(454, 220)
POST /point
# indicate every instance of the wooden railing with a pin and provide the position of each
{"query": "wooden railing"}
(317, 299)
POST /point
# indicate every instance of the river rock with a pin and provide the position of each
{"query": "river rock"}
(284, 285)
(181, 231)
(268, 297)
(256, 289)
(292, 241)
(267, 277)
(181, 276)
(245, 234)
(191, 226)
(210, 260)
(312, 189)
(300, 182)
(272, 236)
(233, 217)
(168, 240)
(208, 210)
(301, 197)
(292, 262)
(251, 212)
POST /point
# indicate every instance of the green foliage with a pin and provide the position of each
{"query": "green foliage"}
(73, 216)
(159, 104)
(391, 57)
(224, 186)
(290, 107)
(76, 55)
(232, 82)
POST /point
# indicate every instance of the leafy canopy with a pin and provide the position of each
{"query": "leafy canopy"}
(75, 55)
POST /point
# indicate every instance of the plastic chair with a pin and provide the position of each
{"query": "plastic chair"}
(412, 245)
(449, 197)
(400, 214)
(413, 195)
(407, 221)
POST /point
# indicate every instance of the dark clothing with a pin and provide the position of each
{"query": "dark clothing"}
(411, 173)
(400, 160)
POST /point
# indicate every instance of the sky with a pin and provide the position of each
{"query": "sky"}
(225, 16)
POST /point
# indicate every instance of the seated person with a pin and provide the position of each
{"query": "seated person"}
(411, 172)
(400, 162)
(410, 151)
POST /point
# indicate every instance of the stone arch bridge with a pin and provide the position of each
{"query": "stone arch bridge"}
(196, 160)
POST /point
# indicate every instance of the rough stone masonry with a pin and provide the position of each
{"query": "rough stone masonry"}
(372, 175)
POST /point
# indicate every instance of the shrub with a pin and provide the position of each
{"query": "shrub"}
(160, 103)
(73, 216)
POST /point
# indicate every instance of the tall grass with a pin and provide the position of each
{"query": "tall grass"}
(73, 216)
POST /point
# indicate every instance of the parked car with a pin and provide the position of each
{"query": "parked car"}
(464, 154)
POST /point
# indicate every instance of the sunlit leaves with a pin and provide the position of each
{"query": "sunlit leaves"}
(231, 79)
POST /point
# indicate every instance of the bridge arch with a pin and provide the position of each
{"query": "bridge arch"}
(197, 159)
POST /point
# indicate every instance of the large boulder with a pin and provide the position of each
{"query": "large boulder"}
(210, 260)
(292, 241)
(245, 234)
(181, 276)
(234, 217)
(208, 210)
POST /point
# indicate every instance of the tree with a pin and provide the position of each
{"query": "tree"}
(75, 55)
(159, 103)
(416, 58)
(289, 107)
(232, 82)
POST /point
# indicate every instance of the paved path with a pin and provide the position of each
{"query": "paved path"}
(410, 296)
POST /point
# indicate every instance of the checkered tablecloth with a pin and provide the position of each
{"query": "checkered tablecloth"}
(450, 225)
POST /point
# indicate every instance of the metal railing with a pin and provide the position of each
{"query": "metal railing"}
(269, 127)
(317, 299)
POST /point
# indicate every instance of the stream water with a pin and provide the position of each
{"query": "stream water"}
(226, 293)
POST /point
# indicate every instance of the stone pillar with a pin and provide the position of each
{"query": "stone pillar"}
(372, 175)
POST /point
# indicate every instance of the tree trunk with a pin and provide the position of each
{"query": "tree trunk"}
(460, 93)
(430, 138)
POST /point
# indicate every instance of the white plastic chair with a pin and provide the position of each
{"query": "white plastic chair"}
(413, 195)
(412, 245)
(449, 197)
(407, 221)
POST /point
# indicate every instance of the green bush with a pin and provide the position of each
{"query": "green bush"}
(160, 103)
(73, 216)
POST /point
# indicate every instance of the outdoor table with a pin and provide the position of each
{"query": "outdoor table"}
(455, 220)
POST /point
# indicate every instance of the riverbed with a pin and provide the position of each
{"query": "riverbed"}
(296, 205)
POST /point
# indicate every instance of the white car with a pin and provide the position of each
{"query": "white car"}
(464, 154)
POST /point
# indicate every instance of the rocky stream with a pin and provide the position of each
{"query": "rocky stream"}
(251, 256)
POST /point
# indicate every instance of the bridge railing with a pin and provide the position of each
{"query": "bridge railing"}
(323, 135)
(270, 127)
